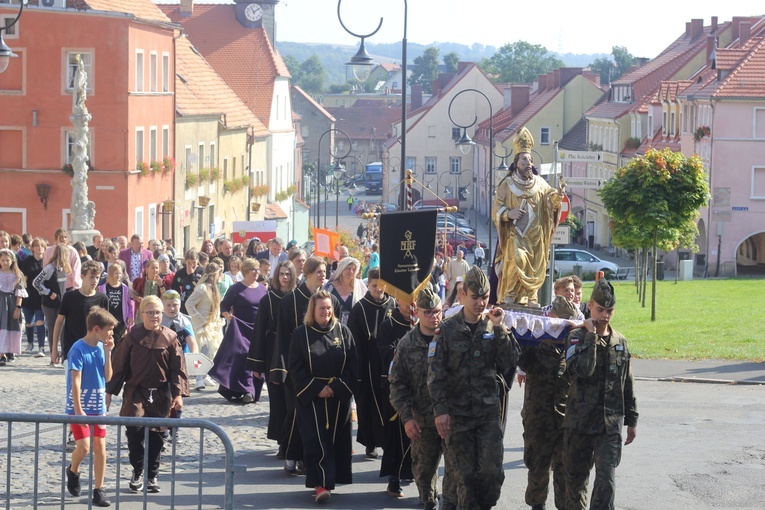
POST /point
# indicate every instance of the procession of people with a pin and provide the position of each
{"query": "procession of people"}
(427, 379)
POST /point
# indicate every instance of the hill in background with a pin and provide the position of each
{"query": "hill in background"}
(334, 56)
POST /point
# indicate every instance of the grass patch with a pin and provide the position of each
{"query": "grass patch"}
(699, 319)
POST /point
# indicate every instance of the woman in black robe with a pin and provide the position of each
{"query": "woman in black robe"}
(323, 368)
(397, 458)
(364, 321)
(292, 314)
(262, 347)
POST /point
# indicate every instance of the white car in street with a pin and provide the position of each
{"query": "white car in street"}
(567, 258)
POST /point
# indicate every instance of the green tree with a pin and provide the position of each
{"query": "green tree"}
(312, 74)
(612, 68)
(425, 69)
(450, 61)
(658, 195)
(520, 62)
(293, 66)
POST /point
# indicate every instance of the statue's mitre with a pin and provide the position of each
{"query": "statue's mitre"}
(523, 141)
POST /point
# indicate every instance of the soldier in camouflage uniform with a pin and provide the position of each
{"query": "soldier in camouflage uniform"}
(544, 405)
(411, 400)
(471, 347)
(600, 403)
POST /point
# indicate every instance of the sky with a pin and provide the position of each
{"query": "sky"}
(645, 27)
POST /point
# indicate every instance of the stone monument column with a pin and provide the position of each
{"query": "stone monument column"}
(82, 211)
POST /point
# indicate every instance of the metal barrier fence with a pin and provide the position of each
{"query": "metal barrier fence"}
(36, 419)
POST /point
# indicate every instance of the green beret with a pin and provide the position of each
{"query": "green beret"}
(427, 299)
(476, 282)
(563, 308)
(603, 293)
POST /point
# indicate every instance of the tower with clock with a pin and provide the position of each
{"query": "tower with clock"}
(257, 14)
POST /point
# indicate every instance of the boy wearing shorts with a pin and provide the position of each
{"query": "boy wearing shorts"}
(90, 367)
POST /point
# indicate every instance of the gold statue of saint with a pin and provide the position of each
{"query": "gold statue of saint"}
(526, 211)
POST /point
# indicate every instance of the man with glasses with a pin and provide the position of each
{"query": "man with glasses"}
(410, 398)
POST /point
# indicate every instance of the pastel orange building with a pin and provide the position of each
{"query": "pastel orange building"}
(127, 50)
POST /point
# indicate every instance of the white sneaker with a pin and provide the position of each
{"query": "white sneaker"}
(40, 354)
(31, 349)
(209, 381)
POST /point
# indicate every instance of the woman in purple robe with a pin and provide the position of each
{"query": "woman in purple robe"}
(240, 307)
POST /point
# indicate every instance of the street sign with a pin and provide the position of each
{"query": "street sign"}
(562, 235)
(583, 182)
(740, 209)
(565, 208)
(580, 156)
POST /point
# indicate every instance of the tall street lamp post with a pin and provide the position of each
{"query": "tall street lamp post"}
(465, 143)
(361, 65)
(337, 171)
(322, 177)
(5, 52)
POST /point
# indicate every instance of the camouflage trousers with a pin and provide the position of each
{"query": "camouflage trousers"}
(426, 455)
(474, 451)
(580, 453)
(542, 450)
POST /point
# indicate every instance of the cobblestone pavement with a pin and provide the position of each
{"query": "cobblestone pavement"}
(30, 385)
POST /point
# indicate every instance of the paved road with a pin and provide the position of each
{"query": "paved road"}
(699, 446)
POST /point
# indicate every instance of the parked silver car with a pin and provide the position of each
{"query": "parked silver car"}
(567, 258)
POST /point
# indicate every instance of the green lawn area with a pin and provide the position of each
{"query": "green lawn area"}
(697, 319)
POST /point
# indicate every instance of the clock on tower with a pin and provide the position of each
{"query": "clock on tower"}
(257, 14)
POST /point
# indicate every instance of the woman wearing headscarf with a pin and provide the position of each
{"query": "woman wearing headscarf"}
(344, 285)
(323, 370)
(240, 306)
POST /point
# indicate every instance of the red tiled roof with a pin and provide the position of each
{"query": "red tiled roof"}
(669, 90)
(390, 66)
(203, 92)
(243, 57)
(646, 78)
(311, 100)
(144, 9)
(368, 123)
(274, 212)
(748, 78)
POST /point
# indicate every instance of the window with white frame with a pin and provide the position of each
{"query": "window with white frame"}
(456, 133)
(411, 162)
(153, 143)
(225, 169)
(165, 72)
(672, 123)
(152, 221)
(544, 136)
(10, 32)
(139, 145)
(213, 161)
(139, 67)
(664, 122)
(138, 228)
(759, 123)
(69, 142)
(455, 164)
(187, 158)
(650, 126)
(165, 141)
(430, 165)
(71, 68)
(758, 183)
(432, 131)
(203, 163)
(153, 71)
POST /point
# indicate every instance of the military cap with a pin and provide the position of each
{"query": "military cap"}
(563, 308)
(171, 295)
(476, 282)
(427, 299)
(603, 293)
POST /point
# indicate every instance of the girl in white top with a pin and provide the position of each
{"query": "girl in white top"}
(203, 306)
